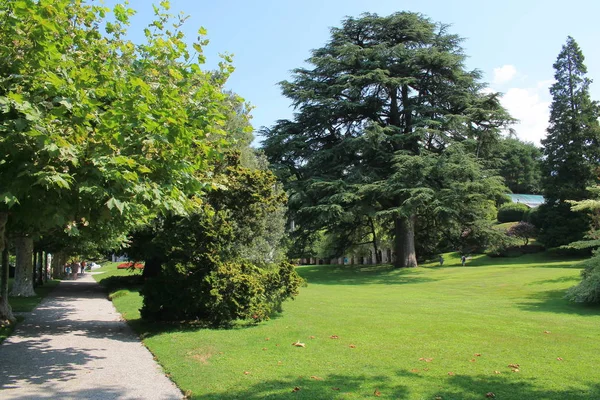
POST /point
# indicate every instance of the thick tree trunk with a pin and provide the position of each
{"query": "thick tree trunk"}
(57, 264)
(152, 267)
(405, 242)
(23, 284)
(6, 313)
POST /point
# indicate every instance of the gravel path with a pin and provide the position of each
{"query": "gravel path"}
(74, 345)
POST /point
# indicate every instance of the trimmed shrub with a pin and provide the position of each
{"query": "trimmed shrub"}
(512, 212)
(219, 293)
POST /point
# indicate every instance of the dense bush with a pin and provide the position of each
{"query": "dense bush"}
(512, 212)
(532, 216)
(588, 290)
(220, 293)
(558, 225)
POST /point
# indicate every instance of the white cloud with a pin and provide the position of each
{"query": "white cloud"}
(531, 107)
(504, 74)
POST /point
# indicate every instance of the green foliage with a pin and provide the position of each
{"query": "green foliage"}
(230, 291)
(588, 290)
(571, 149)
(512, 212)
(518, 163)
(97, 128)
(523, 230)
(559, 225)
(380, 100)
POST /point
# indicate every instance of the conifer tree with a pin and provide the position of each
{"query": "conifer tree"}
(571, 149)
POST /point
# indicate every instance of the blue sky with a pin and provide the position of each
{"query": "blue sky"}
(513, 42)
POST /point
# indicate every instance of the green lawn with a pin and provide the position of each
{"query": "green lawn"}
(25, 304)
(421, 333)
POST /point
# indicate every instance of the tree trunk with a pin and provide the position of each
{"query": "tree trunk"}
(40, 268)
(152, 267)
(6, 313)
(34, 276)
(405, 242)
(23, 284)
(375, 241)
(58, 262)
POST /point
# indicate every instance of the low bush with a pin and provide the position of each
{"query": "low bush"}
(588, 290)
(220, 293)
(512, 212)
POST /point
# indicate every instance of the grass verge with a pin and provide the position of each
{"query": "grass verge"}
(431, 332)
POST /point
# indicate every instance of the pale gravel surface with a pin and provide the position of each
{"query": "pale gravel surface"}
(74, 345)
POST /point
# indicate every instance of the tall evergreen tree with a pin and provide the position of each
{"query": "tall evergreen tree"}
(382, 89)
(571, 149)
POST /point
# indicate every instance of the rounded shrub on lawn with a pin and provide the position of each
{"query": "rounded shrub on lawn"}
(220, 293)
(512, 212)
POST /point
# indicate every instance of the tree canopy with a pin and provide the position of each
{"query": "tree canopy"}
(384, 97)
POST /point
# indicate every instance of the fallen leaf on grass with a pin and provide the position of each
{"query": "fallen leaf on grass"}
(451, 373)
(298, 344)
(264, 348)
(267, 338)
(472, 360)
(246, 373)
(513, 365)
(334, 337)
(377, 393)
(426, 359)
(296, 389)
(425, 369)
(559, 358)
(437, 398)
(477, 355)
(335, 388)
(414, 370)
(547, 332)
(279, 363)
(497, 372)
(352, 346)
(316, 378)
(515, 370)
(311, 337)
(490, 395)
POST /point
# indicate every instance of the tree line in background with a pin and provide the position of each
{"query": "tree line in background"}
(107, 145)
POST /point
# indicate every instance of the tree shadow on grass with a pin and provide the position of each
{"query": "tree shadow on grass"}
(554, 301)
(362, 275)
(510, 387)
(314, 388)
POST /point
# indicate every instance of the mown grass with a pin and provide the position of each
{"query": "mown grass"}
(24, 304)
(402, 334)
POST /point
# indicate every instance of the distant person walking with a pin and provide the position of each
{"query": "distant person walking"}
(463, 260)
(441, 260)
